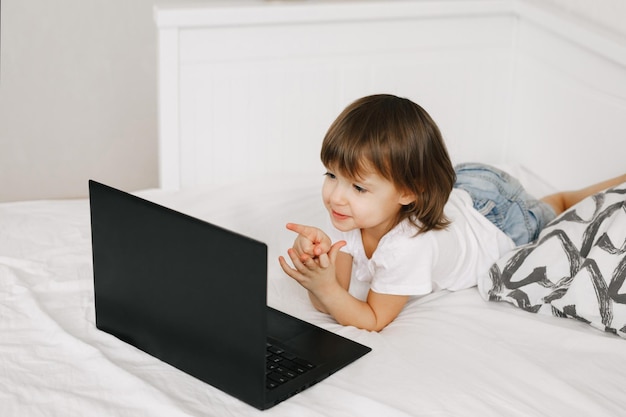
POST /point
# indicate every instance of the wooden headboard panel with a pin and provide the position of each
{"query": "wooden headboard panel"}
(248, 89)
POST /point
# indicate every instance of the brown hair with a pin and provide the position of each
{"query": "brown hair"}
(398, 139)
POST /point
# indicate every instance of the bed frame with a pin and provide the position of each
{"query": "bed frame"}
(506, 82)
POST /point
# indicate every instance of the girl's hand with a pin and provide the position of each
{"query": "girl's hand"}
(311, 242)
(316, 275)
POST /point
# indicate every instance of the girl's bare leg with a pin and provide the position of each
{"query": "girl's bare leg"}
(563, 200)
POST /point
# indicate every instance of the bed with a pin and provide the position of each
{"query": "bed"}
(448, 353)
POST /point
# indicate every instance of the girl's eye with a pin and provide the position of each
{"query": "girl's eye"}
(359, 189)
(330, 175)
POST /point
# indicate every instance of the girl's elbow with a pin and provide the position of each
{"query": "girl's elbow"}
(380, 323)
(378, 327)
(369, 326)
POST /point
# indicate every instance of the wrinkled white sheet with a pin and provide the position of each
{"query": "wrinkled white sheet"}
(447, 354)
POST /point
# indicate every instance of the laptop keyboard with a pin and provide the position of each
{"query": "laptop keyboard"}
(283, 366)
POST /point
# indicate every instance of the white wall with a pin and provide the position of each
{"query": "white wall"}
(608, 16)
(569, 96)
(77, 96)
(78, 91)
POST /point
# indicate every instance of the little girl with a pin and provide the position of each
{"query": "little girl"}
(407, 223)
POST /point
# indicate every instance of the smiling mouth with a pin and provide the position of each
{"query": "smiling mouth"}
(339, 216)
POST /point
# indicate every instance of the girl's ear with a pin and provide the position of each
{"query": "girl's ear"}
(407, 198)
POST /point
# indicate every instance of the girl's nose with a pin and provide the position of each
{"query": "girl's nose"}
(338, 194)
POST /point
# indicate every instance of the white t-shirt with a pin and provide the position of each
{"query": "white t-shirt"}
(408, 264)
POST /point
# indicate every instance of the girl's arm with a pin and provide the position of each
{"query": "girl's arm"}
(327, 280)
(375, 314)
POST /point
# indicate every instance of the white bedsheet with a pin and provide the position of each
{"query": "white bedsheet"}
(447, 354)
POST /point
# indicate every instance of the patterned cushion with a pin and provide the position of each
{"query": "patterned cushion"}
(576, 268)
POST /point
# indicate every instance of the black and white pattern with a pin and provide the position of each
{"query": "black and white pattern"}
(576, 268)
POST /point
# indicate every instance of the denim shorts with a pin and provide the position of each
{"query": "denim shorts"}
(504, 202)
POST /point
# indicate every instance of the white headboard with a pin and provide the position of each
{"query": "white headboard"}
(249, 88)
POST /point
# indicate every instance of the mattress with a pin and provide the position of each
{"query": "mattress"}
(447, 354)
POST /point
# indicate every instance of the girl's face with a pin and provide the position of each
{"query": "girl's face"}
(370, 203)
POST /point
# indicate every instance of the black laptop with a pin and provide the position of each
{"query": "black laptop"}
(194, 295)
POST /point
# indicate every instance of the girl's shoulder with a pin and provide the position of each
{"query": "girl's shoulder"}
(405, 234)
(459, 199)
